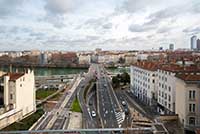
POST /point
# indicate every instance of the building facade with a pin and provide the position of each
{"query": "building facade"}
(18, 92)
(198, 44)
(166, 91)
(143, 82)
(187, 100)
(193, 42)
(171, 47)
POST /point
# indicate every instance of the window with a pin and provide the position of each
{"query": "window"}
(192, 121)
(153, 81)
(169, 88)
(11, 96)
(165, 78)
(169, 106)
(192, 94)
(192, 108)
(169, 98)
(165, 96)
(165, 103)
(20, 85)
(166, 87)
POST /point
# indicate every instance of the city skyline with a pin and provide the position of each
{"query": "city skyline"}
(76, 25)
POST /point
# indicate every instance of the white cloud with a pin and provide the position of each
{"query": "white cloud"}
(85, 24)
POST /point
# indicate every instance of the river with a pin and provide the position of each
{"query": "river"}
(61, 71)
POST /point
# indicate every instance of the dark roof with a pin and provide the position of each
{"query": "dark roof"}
(15, 76)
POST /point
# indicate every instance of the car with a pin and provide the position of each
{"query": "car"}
(123, 103)
(93, 114)
(126, 110)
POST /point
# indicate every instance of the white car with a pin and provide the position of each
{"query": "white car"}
(93, 114)
(123, 103)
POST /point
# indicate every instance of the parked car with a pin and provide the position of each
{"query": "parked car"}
(93, 114)
(123, 103)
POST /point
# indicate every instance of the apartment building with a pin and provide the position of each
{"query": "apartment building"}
(84, 58)
(166, 85)
(17, 96)
(143, 81)
(187, 99)
(166, 90)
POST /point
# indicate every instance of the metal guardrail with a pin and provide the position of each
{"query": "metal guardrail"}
(143, 129)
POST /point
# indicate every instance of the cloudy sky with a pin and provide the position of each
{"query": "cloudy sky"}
(89, 24)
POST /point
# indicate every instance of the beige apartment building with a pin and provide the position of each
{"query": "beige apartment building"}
(17, 92)
(187, 99)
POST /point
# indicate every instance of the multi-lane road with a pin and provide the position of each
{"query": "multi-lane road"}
(109, 110)
(95, 94)
(59, 116)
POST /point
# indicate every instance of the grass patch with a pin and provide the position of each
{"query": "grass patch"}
(76, 106)
(26, 123)
(42, 93)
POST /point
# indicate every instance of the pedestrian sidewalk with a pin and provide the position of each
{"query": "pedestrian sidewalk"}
(75, 121)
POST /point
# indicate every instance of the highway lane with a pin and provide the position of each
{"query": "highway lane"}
(58, 117)
(128, 117)
(89, 121)
(107, 103)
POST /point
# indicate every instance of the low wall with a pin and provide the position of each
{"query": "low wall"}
(10, 118)
(168, 117)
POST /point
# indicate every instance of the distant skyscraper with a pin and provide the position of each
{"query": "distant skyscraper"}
(171, 47)
(194, 42)
(198, 44)
(43, 58)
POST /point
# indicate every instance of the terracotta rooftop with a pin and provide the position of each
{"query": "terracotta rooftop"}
(177, 68)
(15, 76)
(189, 77)
(152, 66)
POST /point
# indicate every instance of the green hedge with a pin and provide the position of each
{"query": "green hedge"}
(26, 123)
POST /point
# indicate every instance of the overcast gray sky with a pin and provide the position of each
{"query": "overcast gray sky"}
(89, 24)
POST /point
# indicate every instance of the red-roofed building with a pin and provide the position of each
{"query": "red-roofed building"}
(188, 99)
(143, 81)
(17, 96)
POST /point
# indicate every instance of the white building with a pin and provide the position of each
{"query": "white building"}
(166, 90)
(108, 58)
(143, 81)
(18, 92)
(130, 59)
(84, 59)
(188, 100)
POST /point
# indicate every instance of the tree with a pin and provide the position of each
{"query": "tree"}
(125, 78)
(115, 81)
